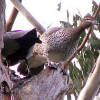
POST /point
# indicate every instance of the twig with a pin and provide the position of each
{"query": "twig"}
(12, 18)
(65, 65)
(27, 14)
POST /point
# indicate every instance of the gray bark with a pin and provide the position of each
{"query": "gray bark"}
(5, 82)
(49, 84)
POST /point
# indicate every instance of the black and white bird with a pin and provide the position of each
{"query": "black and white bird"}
(18, 46)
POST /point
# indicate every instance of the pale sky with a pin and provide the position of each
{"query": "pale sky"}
(45, 11)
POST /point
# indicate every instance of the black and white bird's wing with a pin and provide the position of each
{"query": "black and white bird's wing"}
(15, 34)
(10, 44)
(11, 41)
(10, 47)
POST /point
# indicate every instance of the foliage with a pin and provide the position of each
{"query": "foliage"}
(87, 57)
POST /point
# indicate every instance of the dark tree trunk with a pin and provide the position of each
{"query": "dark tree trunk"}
(2, 21)
(5, 82)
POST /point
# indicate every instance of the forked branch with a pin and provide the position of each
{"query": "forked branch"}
(28, 15)
(11, 19)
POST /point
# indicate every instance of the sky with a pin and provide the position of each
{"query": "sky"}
(45, 11)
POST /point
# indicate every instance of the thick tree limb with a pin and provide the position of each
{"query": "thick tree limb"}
(65, 65)
(47, 85)
(5, 83)
(11, 19)
(2, 22)
(29, 17)
(92, 83)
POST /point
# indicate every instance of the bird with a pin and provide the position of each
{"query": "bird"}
(59, 43)
(36, 65)
(18, 46)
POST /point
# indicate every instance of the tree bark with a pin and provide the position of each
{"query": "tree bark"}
(49, 84)
(2, 21)
(5, 82)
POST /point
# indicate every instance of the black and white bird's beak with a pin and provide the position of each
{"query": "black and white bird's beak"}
(38, 41)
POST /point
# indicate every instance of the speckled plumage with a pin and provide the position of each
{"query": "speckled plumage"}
(59, 43)
(55, 45)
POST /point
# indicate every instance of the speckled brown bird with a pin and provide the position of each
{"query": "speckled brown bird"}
(59, 43)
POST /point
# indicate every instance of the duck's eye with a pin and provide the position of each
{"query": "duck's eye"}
(87, 18)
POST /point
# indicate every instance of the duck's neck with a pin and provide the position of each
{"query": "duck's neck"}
(82, 27)
(78, 30)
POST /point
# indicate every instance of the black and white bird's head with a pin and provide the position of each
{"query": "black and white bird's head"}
(36, 37)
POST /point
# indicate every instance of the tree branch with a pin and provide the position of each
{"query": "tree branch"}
(11, 19)
(65, 65)
(27, 14)
(47, 85)
(5, 82)
(89, 89)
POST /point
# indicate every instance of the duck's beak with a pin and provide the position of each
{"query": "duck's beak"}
(95, 22)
